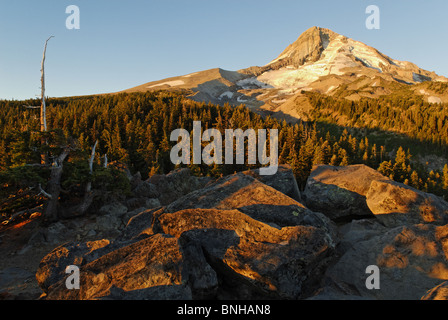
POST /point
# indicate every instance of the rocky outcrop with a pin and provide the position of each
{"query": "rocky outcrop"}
(234, 238)
(259, 201)
(155, 262)
(245, 236)
(343, 193)
(176, 184)
(340, 192)
(404, 236)
(283, 180)
(440, 292)
(271, 262)
(189, 250)
(396, 204)
(411, 261)
(307, 48)
(52, 267)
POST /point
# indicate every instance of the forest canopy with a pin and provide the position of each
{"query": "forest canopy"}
(133, 133)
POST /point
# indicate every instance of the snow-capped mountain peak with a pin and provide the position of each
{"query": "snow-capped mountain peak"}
(319, 60)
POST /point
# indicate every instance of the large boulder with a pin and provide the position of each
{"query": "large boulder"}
(153, 268)
(193, 254)
(286, 263)
(175, 184)
(396, 204)
(140, 225)
(233, 238)
(411, 260)
(340, 192)
(440, 292)
(283, 180)
(116, 209)
(52, 267)
(146, 189)
(254, 198)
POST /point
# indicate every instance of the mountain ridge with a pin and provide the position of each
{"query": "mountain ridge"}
(318, 60)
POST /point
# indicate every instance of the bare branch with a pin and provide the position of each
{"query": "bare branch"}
(35, 165)
(16, 215)
(45, 194)
(43, 110)
(92, 157)
(60, 159)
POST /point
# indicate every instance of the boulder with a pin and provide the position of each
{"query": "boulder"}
(13, 275)
(116, 209)
(135, 180)
(396, 204)
(15, 284)
(52, 267)
(358, 231)
(254, 198)
(140, 225)
(146, 189)
(340, 192)
(176, 184)
(286, 263)
(411, 260)
(152, 203)
(153, 268)
(54, 233)
(135, 203)
(108, 223)
(440, 292)
(283, 180)
(130, 214)
(193, 253)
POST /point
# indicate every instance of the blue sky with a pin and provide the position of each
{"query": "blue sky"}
(121, 44)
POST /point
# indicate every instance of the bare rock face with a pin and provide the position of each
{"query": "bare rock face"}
(283, 180)
(440, 292)
(396, 204)
(152, 268)
(145, 189)
(254, 198)
(340, 192)
(53, 265)
(308, 47)
(277, 263)
(243, 237)
(174, 185)
(208, 253)
(234, 238)
(411, 261)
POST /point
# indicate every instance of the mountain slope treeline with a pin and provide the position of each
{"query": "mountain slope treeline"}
(133, 133)
(402, 112)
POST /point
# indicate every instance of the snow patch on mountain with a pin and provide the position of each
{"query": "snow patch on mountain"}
(252, 83)
(191, 74)
(227, 94)
(169, 83)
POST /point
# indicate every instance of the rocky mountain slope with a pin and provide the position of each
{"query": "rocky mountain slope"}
(246, 236)
(319, 60)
